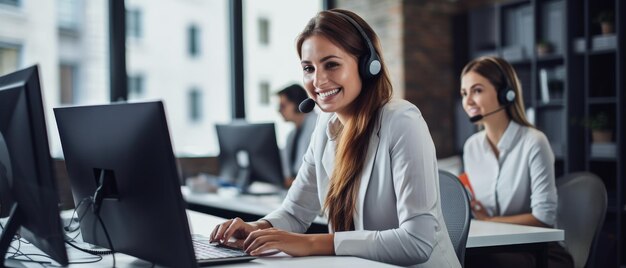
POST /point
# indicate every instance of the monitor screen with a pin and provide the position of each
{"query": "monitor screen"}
(27, 178)
(127, 144)
(248, 153)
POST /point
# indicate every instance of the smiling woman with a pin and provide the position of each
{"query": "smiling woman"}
(327, 78)
(510, 163)
(371, 166)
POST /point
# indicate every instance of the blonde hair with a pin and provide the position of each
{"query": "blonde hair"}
(501, 75)
(353, 141)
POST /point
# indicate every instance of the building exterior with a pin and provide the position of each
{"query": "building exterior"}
(182, 58)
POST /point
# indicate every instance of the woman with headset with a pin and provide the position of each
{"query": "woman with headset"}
(371, 165)
(510, 163)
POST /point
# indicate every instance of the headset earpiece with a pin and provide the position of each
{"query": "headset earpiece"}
(369, 64)
(506, 95)
(369, 67)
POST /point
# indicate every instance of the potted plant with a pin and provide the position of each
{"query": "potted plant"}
(601, 128)
(543, 48)
(606, 20)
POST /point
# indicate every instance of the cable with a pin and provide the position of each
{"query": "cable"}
(29, 259)
(19, 245)
(18, 253)
(96, 252)
(99, 258)
(72, 239)
(106, 233)
(90, 251)
(69, 224)
(95, 200)
(80, 219)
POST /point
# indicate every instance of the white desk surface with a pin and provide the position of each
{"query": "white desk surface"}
(481, 233)
(484, 234)
(203, 224)
(256, 205)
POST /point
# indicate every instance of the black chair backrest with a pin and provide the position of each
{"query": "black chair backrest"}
(455, 205)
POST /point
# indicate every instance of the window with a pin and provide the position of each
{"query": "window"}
(264, 31)
(10, 2)
(68, 15)
(194, 40)
(133, 23)
(9, 56)
(195, 105)
(67, 79)
(271, 62)
(264, 93)
(73, 65)
(135, 86)
(196, 90)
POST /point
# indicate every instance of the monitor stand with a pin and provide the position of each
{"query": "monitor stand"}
(10, 229)
(248, 186)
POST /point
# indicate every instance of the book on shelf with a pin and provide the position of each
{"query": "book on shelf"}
(605, 150)
(603, 42)
(580, 45)
(513, 53)
(551, 84)
(543, 81)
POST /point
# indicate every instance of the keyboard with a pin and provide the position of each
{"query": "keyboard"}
(207, 253)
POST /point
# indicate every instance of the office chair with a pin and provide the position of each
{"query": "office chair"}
(581, 211)
(455, 205)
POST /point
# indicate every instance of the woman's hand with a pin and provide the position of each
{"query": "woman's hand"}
(479, 211)
(272, 240)
(236, 228)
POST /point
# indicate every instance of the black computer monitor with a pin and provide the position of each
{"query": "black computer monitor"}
(26, 169)
(248, 153)
(126, 148)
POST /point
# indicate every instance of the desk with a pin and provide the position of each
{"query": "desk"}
(494, 237)
(247, 207)
(484, 237)
(203, 224)
(486, 234)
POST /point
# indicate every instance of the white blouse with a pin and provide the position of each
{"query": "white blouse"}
(520, 180)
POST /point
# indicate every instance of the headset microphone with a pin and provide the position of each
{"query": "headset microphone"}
(306, 106)
(479, 117)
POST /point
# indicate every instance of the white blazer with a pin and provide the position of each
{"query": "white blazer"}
(398, 215)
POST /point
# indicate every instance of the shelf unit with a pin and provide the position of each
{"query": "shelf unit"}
(567, 88)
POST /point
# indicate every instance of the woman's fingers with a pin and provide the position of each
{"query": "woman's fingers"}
(236, 225)
(254, 235)
(218, 232)
(260, 241)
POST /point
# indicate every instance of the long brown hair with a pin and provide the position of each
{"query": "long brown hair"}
(500, 73)
(353, 142)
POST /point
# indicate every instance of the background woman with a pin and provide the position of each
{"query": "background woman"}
(510, 164)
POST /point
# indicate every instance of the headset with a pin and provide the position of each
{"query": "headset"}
(506, 94)
(369, 65)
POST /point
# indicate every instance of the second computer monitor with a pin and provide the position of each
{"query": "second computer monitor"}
(126, 148)
(248, 153)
